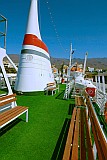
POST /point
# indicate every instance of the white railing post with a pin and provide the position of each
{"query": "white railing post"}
(103, 80)
(27, 116)
(99, 84)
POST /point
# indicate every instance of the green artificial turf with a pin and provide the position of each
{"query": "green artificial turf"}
(3, 91)
(38, 139)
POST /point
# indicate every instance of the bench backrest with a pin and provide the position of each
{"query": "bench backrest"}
(7, 102)
(99, 137)
(51, 84)
(85, 130)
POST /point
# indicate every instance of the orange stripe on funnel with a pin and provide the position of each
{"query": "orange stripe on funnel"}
(31, 39)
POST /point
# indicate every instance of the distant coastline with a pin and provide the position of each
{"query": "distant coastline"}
(100, 63)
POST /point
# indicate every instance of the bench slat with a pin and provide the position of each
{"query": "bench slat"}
(52, 88)
(69, 137)
(9, 115)
(82, 137)
(8, 101)
(5, 117)
(88, 138)
(76, 136)
(79, 101)
(10, 111)
(7, 97)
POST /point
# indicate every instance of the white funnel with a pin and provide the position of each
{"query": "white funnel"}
(34, 70)
(33, 25)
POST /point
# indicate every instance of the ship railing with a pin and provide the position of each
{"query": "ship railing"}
(99, 142)
(101, 99)
(69, 87)
(86, 138)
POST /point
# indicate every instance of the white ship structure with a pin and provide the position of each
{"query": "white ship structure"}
(34, 71)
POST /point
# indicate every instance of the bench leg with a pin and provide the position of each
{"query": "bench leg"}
(47, 92)
(27, 116)
(55, 91)
(52, 92)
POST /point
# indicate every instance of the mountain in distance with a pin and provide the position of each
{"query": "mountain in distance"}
(97, 63)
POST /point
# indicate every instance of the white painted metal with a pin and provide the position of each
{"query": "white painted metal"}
(101, 98)
(96, 79)
(70, 56)
(103, 80)
(33, 20)
(2, 55)
(99, 84)
(34, 71)
(85, 63)
(69, 87)
(27, 115)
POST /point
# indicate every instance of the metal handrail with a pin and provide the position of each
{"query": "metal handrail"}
(3, 19)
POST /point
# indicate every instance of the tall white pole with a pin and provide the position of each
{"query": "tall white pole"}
(70, 56)
(99, 84)
(85, 63)
(96, 81)
(103, 81)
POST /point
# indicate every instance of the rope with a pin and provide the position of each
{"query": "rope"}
(54, 27)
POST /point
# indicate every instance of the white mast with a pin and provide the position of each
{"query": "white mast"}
(70, 61)
(85, 63)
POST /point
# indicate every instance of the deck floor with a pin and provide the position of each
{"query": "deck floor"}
(41, 137)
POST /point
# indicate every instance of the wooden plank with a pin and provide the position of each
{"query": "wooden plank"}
(7, 97)
(88, 138)
(82, 137)
(14, 112)
(82, 101)
(7, 101)
(76, 100)
(4, 114)
(101, 144)
(50, 84)
(67, 150)
(99, 151)
(50, 89)
(79, 101)
(74, 155)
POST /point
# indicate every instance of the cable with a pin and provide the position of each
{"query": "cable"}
(54, 27)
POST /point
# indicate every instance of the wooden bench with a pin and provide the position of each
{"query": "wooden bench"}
(51, 87)
(100, 139)
(84, 134)
(79, 101)
(9, 111)
(78, 144)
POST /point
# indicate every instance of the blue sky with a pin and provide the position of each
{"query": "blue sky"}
(82, 22)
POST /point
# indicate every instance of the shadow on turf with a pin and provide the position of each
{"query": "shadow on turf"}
(71, 108)
(60, 145)
(61, 95)
(9, 126)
